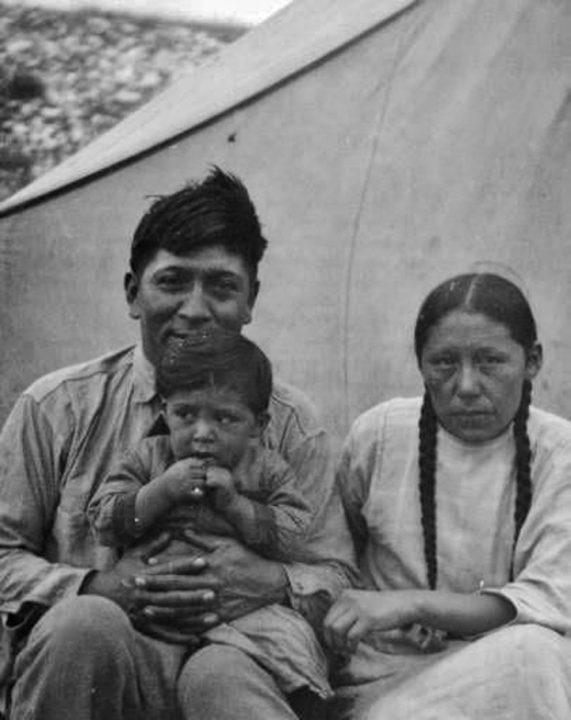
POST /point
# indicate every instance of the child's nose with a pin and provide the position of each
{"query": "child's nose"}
(202, 430)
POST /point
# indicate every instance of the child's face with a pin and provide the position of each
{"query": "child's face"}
(211, 423)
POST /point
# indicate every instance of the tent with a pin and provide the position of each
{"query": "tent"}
(387, 144)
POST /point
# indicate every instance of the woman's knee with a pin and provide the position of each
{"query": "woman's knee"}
(534, 645)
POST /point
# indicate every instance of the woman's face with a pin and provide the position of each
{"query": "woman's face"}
(474, 372)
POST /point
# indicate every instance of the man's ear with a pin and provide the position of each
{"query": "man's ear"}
(254, 290)
(131, 286)
(262, 420)
(534, 361)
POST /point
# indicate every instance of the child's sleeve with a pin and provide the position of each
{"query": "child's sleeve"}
(111, 512)
(282, 515)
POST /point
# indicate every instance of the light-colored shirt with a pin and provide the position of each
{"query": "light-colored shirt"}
(475, 502)
(63, 437)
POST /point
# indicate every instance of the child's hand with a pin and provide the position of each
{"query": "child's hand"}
(221, 484)
(185, 480)
(356, 613)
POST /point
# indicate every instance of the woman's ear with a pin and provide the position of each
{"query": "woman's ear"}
(131, 286)
(534, 361)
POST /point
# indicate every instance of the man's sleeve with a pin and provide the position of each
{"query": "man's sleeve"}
(306, 447)
(32, 453)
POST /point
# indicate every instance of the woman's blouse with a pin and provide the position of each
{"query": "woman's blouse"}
(475, 505)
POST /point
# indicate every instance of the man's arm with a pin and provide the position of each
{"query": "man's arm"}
(31, 452)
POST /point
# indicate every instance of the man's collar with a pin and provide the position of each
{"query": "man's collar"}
(143, 377)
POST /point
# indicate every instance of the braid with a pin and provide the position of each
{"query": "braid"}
(522, 463)
(427, 485)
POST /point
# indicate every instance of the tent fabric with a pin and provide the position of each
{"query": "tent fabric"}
(387, 146)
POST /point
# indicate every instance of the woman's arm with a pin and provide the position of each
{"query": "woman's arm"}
(360, 612)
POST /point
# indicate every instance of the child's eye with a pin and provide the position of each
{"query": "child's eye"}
(226, 419)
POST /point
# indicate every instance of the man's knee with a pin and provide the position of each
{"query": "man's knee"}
(84, 624)
(215, 667)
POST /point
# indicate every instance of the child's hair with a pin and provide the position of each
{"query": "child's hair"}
(500, 300)
(215, 211)
(217, 360)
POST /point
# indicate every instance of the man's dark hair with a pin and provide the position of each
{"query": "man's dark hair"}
(218, 360)
(214, 211)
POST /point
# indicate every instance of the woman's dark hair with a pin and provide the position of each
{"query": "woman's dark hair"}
(500, 300)
(216, 211)
(217, 360)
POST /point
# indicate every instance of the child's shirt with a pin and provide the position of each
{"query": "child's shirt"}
(282, 516)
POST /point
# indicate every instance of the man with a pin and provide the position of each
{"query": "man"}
(193, 268)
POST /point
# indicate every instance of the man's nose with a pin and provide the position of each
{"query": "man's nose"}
(194, 305)
(468, 380)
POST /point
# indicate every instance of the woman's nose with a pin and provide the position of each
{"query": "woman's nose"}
(468, 380)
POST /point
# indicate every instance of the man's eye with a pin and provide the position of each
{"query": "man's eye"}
(223, 286)
(226, 419)
(442, 362)
(170, 283)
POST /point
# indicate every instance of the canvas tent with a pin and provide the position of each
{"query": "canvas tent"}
(387, 143)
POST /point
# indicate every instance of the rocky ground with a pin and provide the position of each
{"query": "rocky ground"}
(67, 77)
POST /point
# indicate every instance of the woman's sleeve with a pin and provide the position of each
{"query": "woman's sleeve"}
(541, 589)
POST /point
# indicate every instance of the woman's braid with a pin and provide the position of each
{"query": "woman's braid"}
(522, 461)
(427, 485)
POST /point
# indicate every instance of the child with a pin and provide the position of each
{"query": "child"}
(212, 474)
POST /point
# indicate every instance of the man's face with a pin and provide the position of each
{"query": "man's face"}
(211, 424)
(178, 296)
(474, 372)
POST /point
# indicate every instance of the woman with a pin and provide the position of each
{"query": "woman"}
(460, 503)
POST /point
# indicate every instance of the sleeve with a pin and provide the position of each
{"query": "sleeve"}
(355, 471)
(33, 449)
(541, 589)
(313, 586)
(112, 510)
(283, 516)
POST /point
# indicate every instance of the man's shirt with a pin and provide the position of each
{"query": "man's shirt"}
(68, 430)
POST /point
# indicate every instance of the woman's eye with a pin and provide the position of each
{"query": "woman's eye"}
(489, 361)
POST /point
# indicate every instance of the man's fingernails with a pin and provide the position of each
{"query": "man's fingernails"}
(208, 595)
(200, 562)
(140, 581)
(210, 619)
(152, 561)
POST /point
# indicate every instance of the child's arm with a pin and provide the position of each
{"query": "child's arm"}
(268, 511)
(113, 512)
(180, 483)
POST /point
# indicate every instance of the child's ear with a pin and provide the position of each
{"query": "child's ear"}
(261, 423)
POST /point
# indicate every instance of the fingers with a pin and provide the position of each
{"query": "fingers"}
(181, 565)
(199, 541)
(154, 546)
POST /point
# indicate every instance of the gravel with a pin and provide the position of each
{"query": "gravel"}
(66, 77)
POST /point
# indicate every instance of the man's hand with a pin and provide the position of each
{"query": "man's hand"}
(241, 580)
(156, 594)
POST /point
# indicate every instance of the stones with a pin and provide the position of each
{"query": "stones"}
(66, 77)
